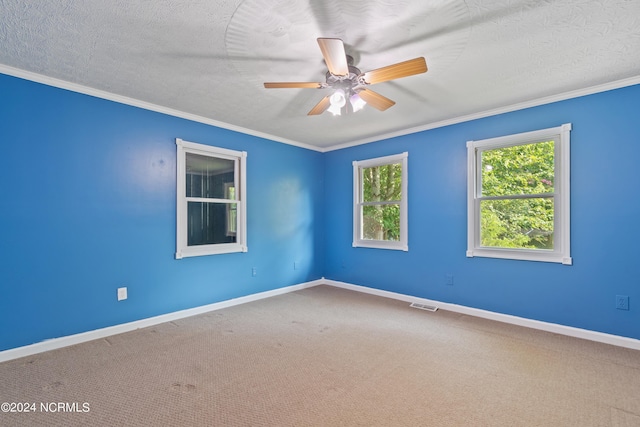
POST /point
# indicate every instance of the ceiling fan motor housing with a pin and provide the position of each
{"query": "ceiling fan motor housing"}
(350, 83)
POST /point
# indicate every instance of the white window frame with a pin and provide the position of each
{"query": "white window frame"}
(240, 159)
(562, 250)
(358, 204)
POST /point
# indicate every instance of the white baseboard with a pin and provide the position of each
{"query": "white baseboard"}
(68, 340)
(506, 318)
(65, 341)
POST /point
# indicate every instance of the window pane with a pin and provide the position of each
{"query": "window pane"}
(207, 176)
(521, 169)
(230, 192)
(232, 209)
(381, 222)
(517, 223)
(210, 223)
(382, 183)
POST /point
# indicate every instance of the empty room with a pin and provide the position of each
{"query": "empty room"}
(320, 213)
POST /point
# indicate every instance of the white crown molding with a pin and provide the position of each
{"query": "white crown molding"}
(494, 112)
(586, 334)
(74, 87)
(55, 343)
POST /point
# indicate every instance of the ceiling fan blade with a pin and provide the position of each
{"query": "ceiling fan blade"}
(334, 55)
(320, 107)
(281, 85)
(396, 71)
(376, 100)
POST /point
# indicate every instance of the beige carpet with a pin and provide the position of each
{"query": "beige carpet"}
(328, 357)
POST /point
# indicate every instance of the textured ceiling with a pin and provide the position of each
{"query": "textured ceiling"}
(209, 58)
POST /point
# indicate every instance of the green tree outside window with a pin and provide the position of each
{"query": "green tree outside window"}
(517, 203)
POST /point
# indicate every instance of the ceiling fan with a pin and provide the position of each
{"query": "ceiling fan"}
(349, 82)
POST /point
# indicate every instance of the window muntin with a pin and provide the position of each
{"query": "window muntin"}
(210, 200)
(518, 203)
(380, 202)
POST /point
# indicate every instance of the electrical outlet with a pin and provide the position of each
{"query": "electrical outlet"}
(122, 294)
(254, 272)
(622, 302)
(295, 265)
(448, 279)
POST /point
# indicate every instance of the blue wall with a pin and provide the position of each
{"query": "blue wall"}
(605, 220)
(88, 205)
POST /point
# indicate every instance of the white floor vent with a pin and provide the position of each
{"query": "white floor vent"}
(424, 306)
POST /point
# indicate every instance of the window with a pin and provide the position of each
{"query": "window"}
(211, 200)
(380, 203)
(518, 196)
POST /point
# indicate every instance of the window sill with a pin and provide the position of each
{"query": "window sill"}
(211, 250)
(522, 255)
(381, 244)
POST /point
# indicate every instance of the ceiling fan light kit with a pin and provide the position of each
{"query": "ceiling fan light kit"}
(357, 103)
(348, 82)
(337, 101)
